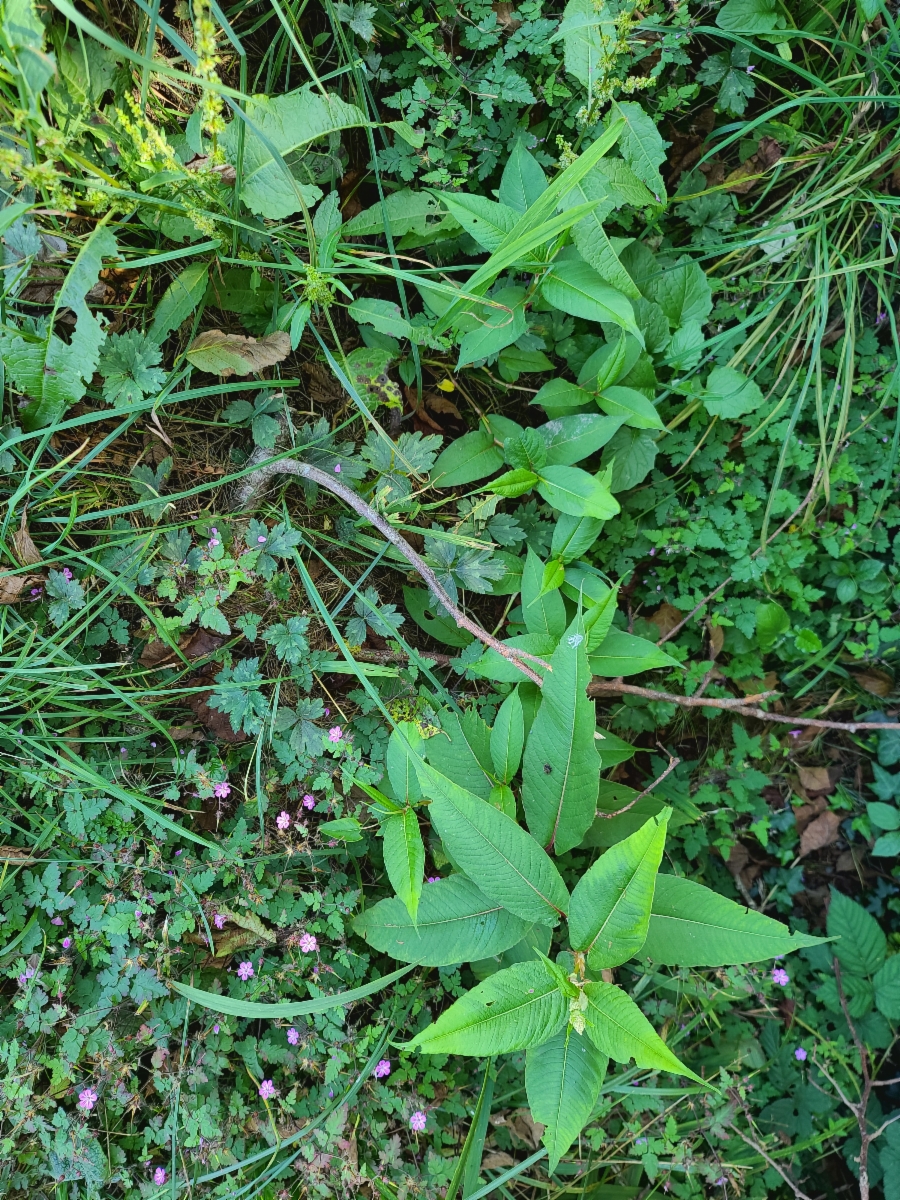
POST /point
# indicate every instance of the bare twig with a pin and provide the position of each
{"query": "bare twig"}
(254, 484)
(388, 657)
(858, 1109)
(673, 763)
(606, 687)
(754, 1145)
(725, 582)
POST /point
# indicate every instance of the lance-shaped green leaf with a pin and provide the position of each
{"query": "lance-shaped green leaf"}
(404, 857)
(512, 1010)
(179, 300)
(487, 221)
(610, 908)
(462, 751)
(619, 1029)
(634, 407)
(576, 492)
(562, 1079)
(561, 765)
(508, 737)
(230, 1006)
(622, 653)
(404, 746)
(693, 926)
(455, 923)
(491, 848)
(577, 289)
(544, 612)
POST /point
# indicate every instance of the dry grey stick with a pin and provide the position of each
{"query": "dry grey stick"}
(253, 485)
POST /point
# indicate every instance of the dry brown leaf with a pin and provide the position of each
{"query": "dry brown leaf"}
(666, 618)
(524, 1126)
(752, 687)
(16, 854)
(716, 640)
(227, 354)
(197, 644)
(440, 403)
(16, 588)
(214, 720)
(808, 812)
(506, 16)
(815, 779)
(820, 833)
(27, 553)
(879, 683)
(497, 1160)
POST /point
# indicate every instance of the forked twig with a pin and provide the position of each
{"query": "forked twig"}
(255, 483)
(673, 763)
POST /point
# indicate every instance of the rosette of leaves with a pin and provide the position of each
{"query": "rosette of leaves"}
(129, 363)
(500, 907)
(383, 619)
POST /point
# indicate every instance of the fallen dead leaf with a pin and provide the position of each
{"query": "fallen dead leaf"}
(441, 404)
(227, 354)
(878, 683)
(752, 687)
(16, 588)
(197, 644)
(666, 618)
(26, 551)
(716, 640)
(16, 854)
(815, 779)
(820, 833)
(496, 1160)
(507, 19)
(214, 720)
(805, 813)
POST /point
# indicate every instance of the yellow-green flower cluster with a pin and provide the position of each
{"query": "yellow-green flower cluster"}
(211, 103)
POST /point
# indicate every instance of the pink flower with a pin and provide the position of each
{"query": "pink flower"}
(260, 540)
(800, 1054)
(67, 573)
(418, 1121)
(309, 801)
(56, 921)
(293, 1037)
(308, 944)
(66, 943)
(433, 879)
(245, 971)
(337, 468)
(781, 977)
(159, 1176)
(383, 1068)
(215, 1028)
(222, 790)
(87, 1099)
(267, 1089)
(335, 733)
(282, 820)
(219, 921)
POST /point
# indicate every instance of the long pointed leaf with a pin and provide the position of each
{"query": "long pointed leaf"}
(231, 1006)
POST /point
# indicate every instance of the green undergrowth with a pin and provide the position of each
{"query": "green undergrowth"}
(595, 305)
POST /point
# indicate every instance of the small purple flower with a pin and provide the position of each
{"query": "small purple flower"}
(153, 745)
(215, 1028)
(327, 712)
(750, 70)
(213, 542)
(123, 750)
(159, 1176)
(138, 913)
(293, 1037)
(309, 801)
(66, 943)
(245, 971)
(418, 1121)
(36, 591)
(222, 790)
(800, 1054)
(337, 468)
(794, 733)
(781, 977)
(56, 921)
(652, 552)
(67, 573)
(267, 1089)
(219, 920)
(260, 540)
(87, 1099)
(433, 879)
(382, 1068)
(335, 733)
(308, 943)
(283, 820)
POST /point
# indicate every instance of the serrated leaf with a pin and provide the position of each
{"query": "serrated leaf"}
(887, 988)
(682, 292)
(512, 1010)
(383, 315)
(229, 354)
(544, 612)
(575, 288)
(610, 908)
(862, 947)
(641, 145)
(508, 863)
(404, 857)
(619, 1029)
(455, 923)
(693, 926)
(561, 768)
(508, 739)
(562, 1081)
(231, 1006)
